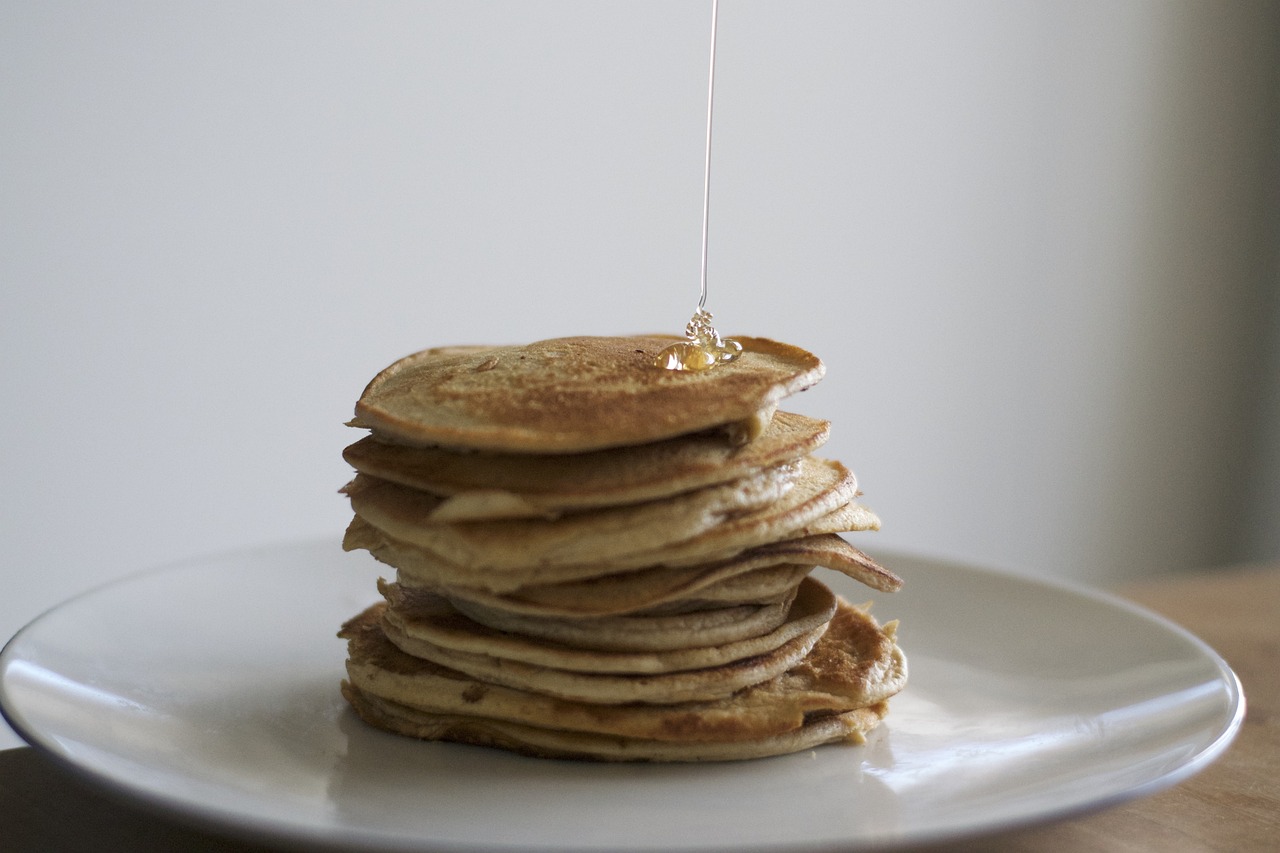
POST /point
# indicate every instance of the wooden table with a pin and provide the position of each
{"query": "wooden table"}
(1234, 805)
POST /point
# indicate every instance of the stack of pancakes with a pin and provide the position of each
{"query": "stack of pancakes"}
(598, 558)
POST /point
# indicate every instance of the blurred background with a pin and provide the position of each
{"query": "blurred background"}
(1037, 245)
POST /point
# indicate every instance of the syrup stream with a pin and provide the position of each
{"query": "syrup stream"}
(702, 348)
(706, 171)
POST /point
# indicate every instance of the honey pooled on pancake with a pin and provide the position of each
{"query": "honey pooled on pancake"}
(702, 349)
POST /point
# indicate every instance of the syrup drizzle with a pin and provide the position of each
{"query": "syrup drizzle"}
(703, 348)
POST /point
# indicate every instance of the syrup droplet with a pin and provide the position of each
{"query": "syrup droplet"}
(685, 355)
(702, 349)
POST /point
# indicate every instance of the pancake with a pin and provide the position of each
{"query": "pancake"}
(571, 395)
(645, 631)
(480, 485)
(761, 586)
(756, 574)
(852, 669)
(537, 742)
(624, 645)
(505, 555)
(694, 685)
(419, 567)
(407, 515)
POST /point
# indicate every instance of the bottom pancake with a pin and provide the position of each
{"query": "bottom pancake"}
(818, 729)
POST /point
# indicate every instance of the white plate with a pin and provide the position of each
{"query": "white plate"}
(210, 689)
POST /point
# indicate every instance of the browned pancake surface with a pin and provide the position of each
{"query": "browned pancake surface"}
(573, 394)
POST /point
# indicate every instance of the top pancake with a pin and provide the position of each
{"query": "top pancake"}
(570, 395)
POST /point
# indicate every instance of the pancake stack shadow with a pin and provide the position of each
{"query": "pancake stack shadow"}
(599, 559)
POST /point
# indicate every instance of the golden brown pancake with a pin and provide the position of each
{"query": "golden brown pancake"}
(537, 742)
(498, 556)
(759, 573)
(624, 645)
(610, 688)
(571, 395)
(482, 485)
(592, 536)
(648, 630)
(852, 669)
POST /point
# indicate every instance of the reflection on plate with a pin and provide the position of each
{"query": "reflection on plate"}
(210, 689)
